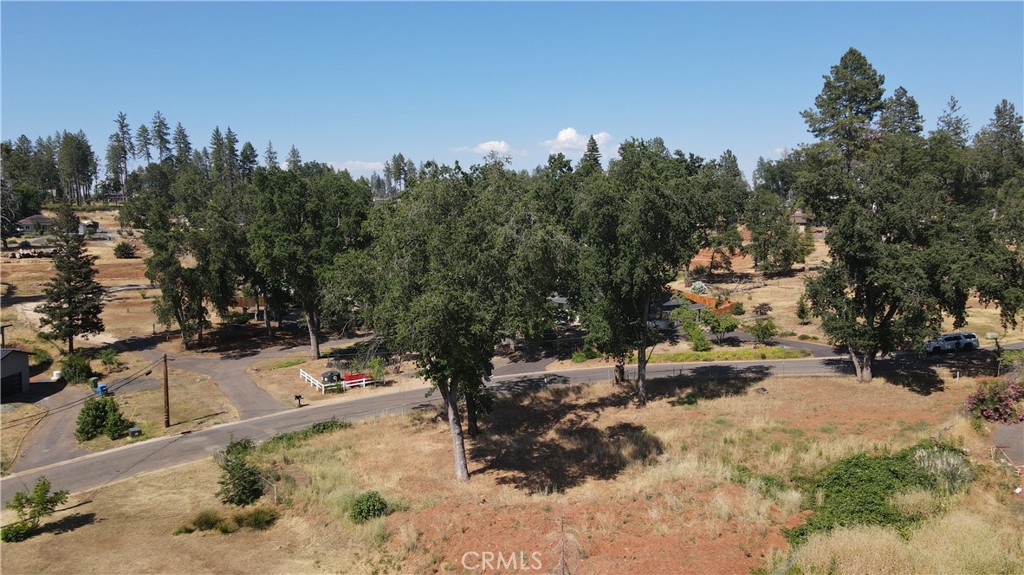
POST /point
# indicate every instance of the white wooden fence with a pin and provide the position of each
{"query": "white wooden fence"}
(324, 386)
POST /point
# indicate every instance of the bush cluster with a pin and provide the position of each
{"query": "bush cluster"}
(101, 416)
(75, 368)
(858, 490)
(258, 518)
(368, 506)
(584, 354)
(1000, 401)
(124, 251)
(292, 438)
(240, 482)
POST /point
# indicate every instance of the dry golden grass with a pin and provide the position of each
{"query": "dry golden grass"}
(195, 403)
(127, 528)
(642, 489)
(960, 542)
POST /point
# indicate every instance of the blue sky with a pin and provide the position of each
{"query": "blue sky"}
(353, 83)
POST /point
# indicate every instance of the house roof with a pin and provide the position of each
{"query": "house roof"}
(36, 219)
(4, 352)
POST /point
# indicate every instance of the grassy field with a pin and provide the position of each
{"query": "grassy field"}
(704, 479)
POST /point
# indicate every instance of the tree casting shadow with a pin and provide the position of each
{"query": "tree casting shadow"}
(547, 443)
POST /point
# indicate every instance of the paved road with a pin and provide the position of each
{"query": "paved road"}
(99, 469)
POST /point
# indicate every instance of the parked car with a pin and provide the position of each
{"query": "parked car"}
(952, 342)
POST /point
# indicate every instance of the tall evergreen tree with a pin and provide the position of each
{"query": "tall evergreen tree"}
(954, 123)
(143, 143)
(270, 156)
(160, 132)
(182, 146)
(847, 105)
(900, 114)
(74, 299)
(248, 160)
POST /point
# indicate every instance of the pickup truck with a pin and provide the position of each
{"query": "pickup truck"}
(952, 342)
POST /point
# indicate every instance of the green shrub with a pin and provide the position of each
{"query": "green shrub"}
(763, 308)
(737, 308)
(124, 251)
(585, 354)
(698, 339)
(259, 518)
(763, 330)
(206, 520)
(367, 506)
(184, 530)
(803, 311)
(75, 368)
(292, 438)
(31, 507)
(41, 357)
(240, 482)
(858, 490)
(18, 531)
(108, 357)
(101, 415)
(720, 324)
(227, 526)
(803, 337)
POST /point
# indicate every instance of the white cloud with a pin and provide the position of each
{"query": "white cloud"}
(569, 140)
(484, 148)
(501, 146)
(360, 166)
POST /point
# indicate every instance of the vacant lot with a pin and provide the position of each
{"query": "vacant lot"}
(676, 487)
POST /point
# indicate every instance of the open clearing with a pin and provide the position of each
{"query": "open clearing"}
(653, 490)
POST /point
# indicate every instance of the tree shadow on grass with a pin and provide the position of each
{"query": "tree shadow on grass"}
(708, 382)
(67, 523)
(547, 442)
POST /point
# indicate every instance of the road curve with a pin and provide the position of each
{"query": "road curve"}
(97, 470)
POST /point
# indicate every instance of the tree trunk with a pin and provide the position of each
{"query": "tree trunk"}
(641, 373)
(71, 344)
(862, 365)
(455, 423)
(314, 341)
(686, 274)
(641, 357)
(471, 409)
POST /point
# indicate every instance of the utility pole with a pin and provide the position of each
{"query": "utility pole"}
(3, 335)
(167, 397)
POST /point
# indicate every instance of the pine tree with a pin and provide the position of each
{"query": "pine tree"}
(74, 299)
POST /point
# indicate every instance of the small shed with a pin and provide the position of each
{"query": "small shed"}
(37, 223)
(13, 372)
(88, 227)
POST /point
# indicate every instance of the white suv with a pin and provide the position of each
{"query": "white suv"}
(952, 342)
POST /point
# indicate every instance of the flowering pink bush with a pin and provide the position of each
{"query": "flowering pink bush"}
(996, 400)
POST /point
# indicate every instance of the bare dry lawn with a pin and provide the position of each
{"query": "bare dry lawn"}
(280, 378)
(747, 286)
(195, 403)
(653, 490)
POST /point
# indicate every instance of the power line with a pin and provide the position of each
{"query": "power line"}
(128, 379)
